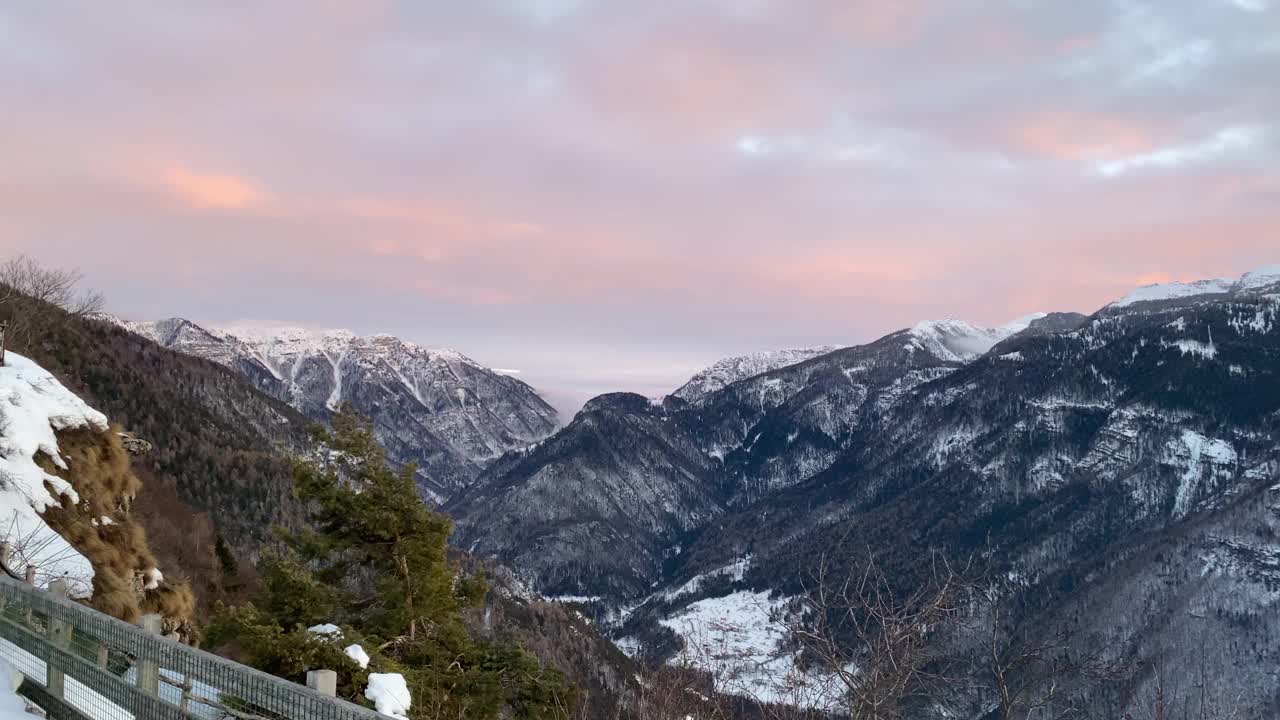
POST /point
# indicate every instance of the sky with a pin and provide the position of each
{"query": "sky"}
(608, 195)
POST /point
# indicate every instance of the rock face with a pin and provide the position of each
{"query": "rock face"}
(436, 408)
(1115, 476)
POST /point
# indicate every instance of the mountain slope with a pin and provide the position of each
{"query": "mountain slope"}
(1114, 477)
(621, 474)
(220, 469)
(633, 481)
(436, 408)
(1121, 476)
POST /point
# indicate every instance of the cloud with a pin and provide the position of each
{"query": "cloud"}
(1074, 136)
(216, 192)
(530, 180)
(1227, 140)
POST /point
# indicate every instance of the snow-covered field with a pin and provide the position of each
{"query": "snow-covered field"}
(740, 640)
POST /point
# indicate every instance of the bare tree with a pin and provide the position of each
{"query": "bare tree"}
(1032, 669)
(1185, 696)
(875, 640)
(23, 277)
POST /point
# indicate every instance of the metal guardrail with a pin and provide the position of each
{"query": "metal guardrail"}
(83, 665)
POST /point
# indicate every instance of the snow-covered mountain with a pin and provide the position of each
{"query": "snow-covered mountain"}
(961, 341)
(1118, 473)
(951, 339)
(1251, 282)
(436, 407)
(740, 367)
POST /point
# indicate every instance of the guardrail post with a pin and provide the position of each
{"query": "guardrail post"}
(31, 580)
(59, 637)
(149, 669)
(5, 552)
(324, 682)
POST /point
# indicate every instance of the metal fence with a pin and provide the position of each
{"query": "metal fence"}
(81, 664)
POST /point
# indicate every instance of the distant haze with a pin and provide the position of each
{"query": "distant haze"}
(612, 195)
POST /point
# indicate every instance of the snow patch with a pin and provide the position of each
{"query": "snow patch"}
(357, 653)
(739, 640)
(326, 630)
(734, 572)
(34, 406)
(1198, 455)
(389, 694)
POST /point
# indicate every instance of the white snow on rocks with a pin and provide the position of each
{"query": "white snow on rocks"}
(389, 694)
(328, 630)
(1198, 456)
(357, 653)
(34, 406)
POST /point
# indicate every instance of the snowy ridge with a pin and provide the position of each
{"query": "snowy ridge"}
(953, 340)
(33, 407)
(729, 370)
(434, 407)
(1254, 281)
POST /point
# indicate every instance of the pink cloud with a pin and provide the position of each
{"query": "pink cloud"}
(212, 191)
(1080, 136)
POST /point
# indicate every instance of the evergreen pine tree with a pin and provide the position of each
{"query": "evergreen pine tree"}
(374, 561)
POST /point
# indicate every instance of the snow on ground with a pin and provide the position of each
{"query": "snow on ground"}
(739, 640)
(389, 694)
(578, 599)
(734, 572)
(33, 407)
(12, 707)
(1208, 351)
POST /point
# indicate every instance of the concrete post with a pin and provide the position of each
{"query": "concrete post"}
(148, 669)
(60, 637)
(324, 682)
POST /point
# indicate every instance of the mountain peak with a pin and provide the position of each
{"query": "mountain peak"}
(955, 340)
(1263, 278)
(729, 370)
(434, 407)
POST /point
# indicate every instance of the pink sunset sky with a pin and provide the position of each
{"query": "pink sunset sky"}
(611, 194)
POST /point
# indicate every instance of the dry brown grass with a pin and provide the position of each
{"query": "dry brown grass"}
(99, 470)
